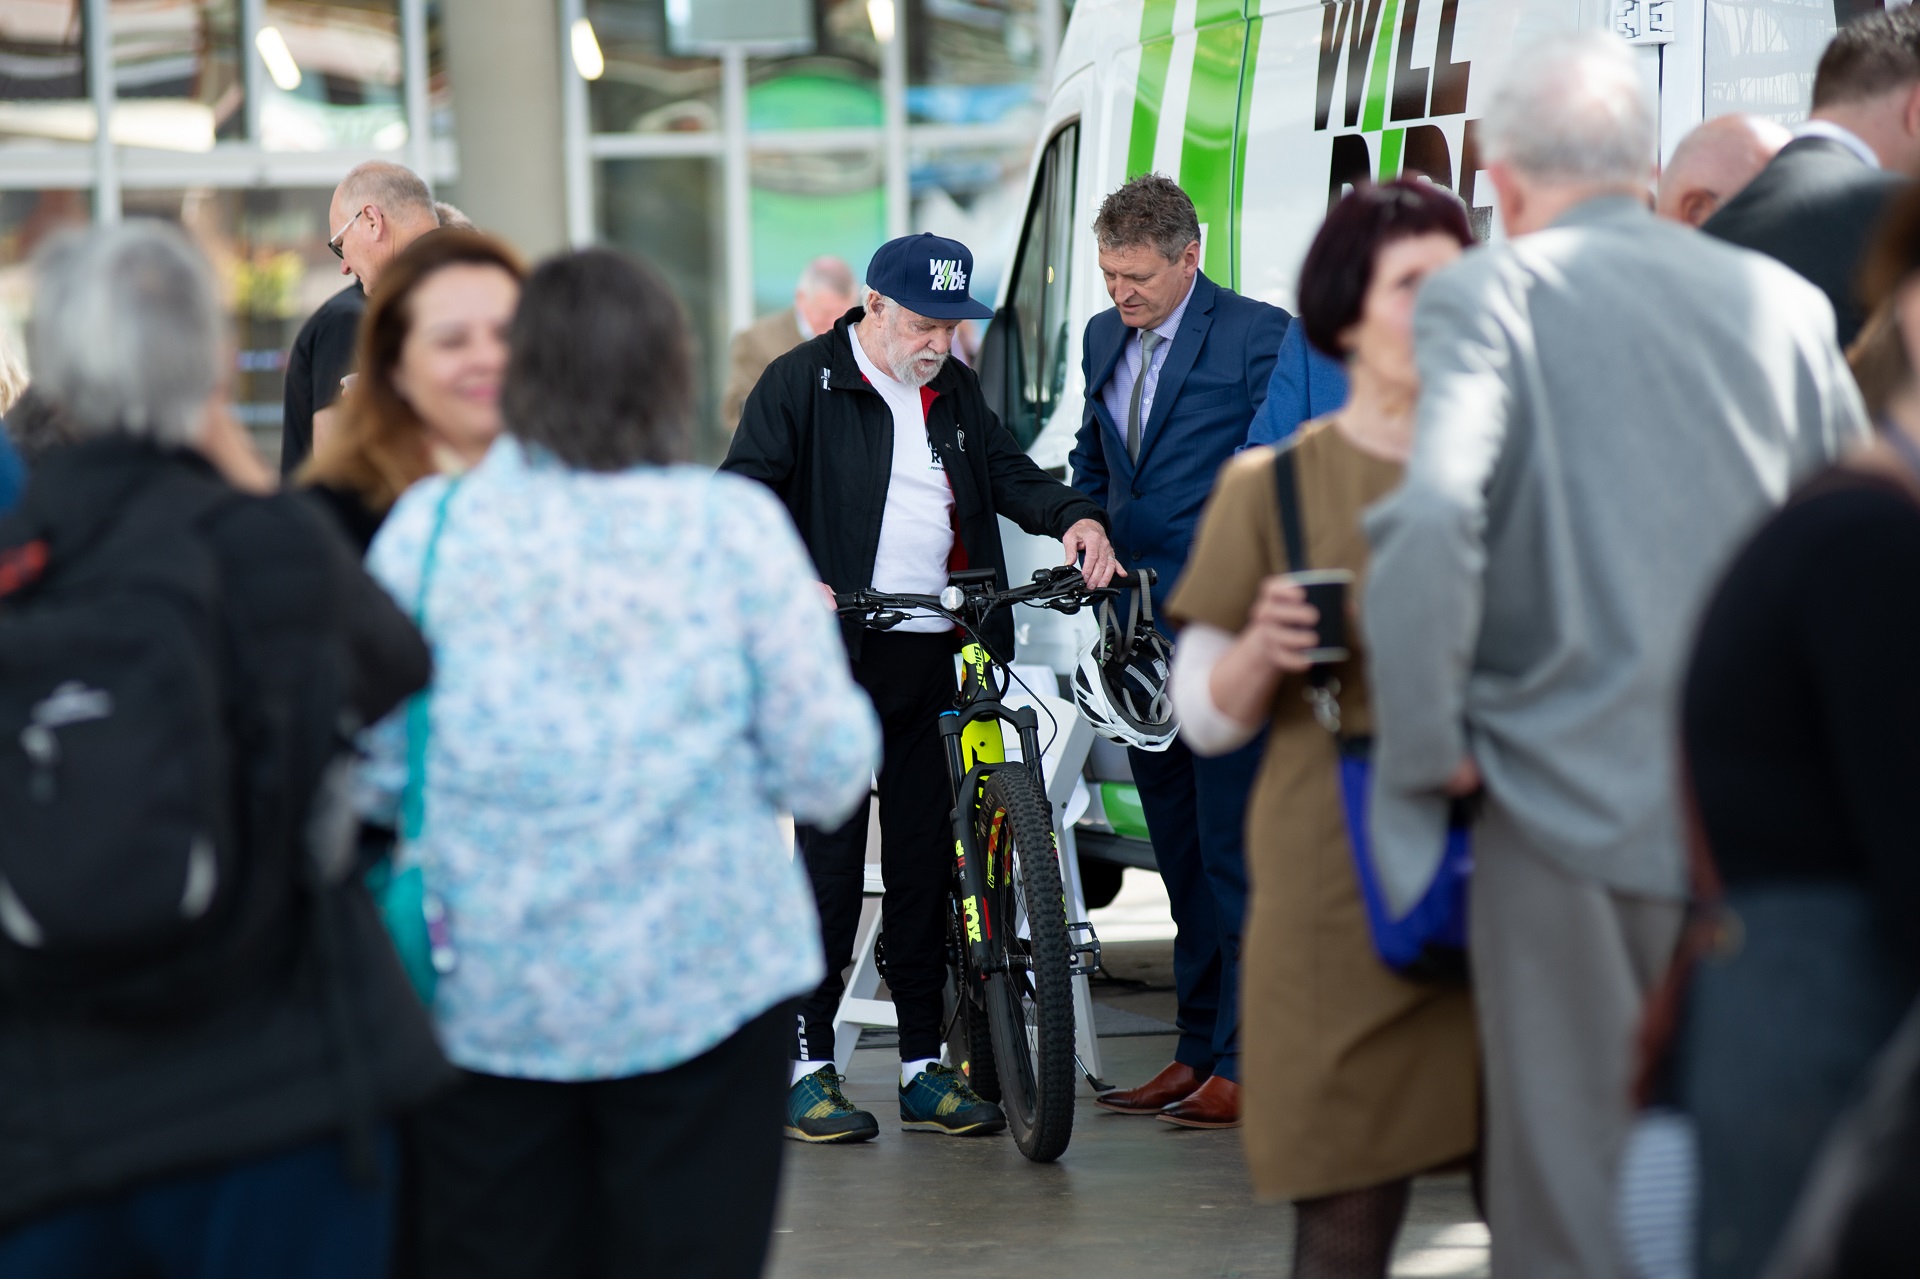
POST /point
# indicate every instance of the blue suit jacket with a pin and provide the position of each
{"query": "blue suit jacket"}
(1305, 385)
(1212, 381)
(13, 476)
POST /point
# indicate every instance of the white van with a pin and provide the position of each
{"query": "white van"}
(1264, 110)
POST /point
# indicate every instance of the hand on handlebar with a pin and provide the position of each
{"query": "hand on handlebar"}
(1089, 538)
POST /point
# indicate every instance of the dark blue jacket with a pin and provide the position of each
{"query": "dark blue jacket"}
(1305, 385)
(13, 476)
(1213, 380)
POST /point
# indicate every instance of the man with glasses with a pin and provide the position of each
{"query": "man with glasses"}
(378, 209)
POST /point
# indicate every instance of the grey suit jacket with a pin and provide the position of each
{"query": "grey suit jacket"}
(1607, 408)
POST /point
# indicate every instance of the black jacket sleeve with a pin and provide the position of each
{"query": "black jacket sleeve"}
(767, 441)
(296, 415)
(1024, 493)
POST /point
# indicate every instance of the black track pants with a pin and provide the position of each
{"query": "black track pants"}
(910, 679)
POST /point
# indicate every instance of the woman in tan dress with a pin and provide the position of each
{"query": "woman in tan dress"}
(1355, 1079)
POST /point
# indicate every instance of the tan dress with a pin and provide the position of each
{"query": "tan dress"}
(1351, 1075)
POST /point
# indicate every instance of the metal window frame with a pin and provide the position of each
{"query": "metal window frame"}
(107, 170)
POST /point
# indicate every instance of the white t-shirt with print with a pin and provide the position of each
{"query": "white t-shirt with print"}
(916, 529)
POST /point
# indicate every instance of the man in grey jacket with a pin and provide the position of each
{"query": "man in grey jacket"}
(1609, 402)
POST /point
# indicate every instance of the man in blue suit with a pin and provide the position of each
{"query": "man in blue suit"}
(1174, 374)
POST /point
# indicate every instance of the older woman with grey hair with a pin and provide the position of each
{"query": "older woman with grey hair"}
(205, 1030)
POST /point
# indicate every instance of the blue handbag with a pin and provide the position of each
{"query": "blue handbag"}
(416, 920)
(1429, 941)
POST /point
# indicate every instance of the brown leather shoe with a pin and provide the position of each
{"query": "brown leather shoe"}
(1214, 1104)
(1170, 1085)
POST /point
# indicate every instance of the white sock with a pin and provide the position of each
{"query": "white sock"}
(908, 1069)
(801, 1069)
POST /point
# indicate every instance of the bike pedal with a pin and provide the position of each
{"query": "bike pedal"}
(1085, 950)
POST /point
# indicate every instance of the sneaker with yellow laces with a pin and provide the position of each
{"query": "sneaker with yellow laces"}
(939, 1100)
(817, 1111)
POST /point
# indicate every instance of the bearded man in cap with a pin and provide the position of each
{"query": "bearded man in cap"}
(896, 473)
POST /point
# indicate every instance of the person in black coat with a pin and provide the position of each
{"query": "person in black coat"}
(895, 471)
(231, 1116)
(1816, 206)
(378, 209)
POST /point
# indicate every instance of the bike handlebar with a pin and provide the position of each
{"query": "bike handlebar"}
(972, 597)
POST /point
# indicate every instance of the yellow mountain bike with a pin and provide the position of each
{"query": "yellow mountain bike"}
(1012, 951)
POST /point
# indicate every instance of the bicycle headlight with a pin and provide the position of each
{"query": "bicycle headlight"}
(951, 598)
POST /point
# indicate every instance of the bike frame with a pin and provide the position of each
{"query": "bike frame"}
(976, 746)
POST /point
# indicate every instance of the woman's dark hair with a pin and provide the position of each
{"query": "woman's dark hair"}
(602, 367)
(381, 446)
(1878, 355)
(1338, 269)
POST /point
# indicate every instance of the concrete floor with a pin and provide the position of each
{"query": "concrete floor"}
(1131, 1197)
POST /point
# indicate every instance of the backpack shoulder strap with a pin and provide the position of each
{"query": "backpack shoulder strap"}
(1286, 486)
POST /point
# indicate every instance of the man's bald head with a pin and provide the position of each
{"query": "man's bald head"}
(378, 209)
(1713, 163)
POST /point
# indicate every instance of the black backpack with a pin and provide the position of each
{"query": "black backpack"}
(122, 760)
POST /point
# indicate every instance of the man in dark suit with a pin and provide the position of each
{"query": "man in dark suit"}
(1174, 374)
(1817, 205)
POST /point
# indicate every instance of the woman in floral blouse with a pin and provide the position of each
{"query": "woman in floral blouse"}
(635, 674)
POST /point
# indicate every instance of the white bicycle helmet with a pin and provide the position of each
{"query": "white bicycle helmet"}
(1121, 682)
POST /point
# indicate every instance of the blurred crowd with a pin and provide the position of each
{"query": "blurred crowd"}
(393, 878)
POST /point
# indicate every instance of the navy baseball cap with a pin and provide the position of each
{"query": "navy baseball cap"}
(928, 275)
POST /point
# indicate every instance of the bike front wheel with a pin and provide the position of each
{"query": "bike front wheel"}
(1030, 998)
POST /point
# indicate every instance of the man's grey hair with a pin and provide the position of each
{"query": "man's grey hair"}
(395, 189)
(1573, 108)
(125, 332)
(827, 275)
(1150, 210)
(451, 219)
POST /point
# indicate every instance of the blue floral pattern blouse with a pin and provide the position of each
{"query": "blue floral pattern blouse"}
(634, 674)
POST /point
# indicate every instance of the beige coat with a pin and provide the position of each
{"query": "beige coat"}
(753, 348)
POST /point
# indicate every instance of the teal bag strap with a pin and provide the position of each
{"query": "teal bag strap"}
(413, 798)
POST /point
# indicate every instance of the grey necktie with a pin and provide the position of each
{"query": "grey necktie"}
(1148, 341)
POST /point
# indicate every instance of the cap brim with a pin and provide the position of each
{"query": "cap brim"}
(966, 310)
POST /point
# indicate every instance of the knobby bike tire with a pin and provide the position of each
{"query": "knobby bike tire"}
(1029, 1004)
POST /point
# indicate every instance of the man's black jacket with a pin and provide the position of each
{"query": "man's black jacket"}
(1814, 207)
(818, 434)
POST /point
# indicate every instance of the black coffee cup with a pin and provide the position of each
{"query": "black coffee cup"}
(1326, 590)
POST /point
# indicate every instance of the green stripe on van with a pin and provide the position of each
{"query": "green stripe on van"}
(1156, 55)
(1392, 142)
(1377, 77)
(1243, 125)
(1206, 156)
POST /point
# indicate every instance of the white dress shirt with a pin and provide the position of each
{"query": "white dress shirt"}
(1118, 394)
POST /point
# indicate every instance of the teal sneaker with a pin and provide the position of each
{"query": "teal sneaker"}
(939, 1100)
(817, 1111)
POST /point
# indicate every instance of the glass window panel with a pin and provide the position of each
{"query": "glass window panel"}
(439, 82)
(835, 85)
(43, 80)
(335, 76)
(269, 254)
(644, 89)
(26, 219)
(976, 195)
(973, 61)
(806, 205)
(1040, 345)
(176, 71)
(668, 212)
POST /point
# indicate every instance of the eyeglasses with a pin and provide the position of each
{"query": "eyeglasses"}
(334, 243)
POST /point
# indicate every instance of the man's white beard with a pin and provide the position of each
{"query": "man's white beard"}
(917, 370)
